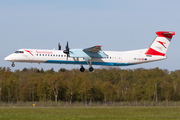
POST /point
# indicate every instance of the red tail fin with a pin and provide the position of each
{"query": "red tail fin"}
(161, 43)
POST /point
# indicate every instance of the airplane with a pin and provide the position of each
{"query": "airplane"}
(94, 55)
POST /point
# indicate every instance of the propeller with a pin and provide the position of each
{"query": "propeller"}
(67, 50)
(59, 46)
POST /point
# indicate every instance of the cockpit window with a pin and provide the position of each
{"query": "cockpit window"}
(19, 52)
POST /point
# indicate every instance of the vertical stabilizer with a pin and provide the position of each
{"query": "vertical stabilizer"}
(161, 43)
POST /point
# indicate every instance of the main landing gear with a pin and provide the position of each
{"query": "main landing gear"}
(91, 69)
(82, 69)
(13, 65)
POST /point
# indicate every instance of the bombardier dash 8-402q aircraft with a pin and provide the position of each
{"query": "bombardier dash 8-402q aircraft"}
(94, 55)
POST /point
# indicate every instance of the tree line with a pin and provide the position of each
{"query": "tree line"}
(105, 84)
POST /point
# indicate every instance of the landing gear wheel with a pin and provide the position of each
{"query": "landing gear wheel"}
(13, 65)
(82, 69)
(91, 69)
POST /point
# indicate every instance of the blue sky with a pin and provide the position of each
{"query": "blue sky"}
(116, 25)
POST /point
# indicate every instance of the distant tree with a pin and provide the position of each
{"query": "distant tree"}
(109, 91)
(105, 84)
(38, 70)
(62, 70)
(42, 71)
(24, 70)
(123, 87)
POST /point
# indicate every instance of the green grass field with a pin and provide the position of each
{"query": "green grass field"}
(123, 113)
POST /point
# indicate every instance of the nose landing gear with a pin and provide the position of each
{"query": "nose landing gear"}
(13, 65)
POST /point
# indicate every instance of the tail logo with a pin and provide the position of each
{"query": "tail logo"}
(162, 43)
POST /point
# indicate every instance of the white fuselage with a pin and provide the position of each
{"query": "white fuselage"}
(114, 58)
(94, 55)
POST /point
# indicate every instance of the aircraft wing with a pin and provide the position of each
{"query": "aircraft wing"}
(88, 53)
(93, 49)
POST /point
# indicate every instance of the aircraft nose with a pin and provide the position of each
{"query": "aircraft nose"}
(8, 58)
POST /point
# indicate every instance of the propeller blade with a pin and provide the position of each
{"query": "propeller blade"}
(59, 46)
(67, 49)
